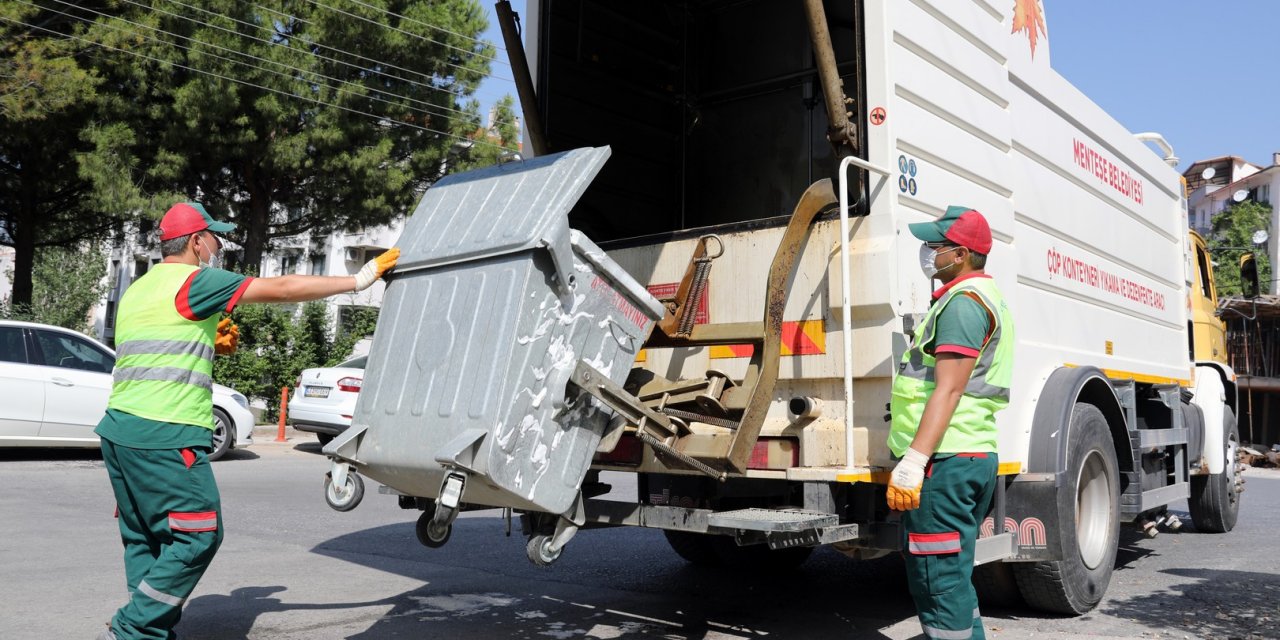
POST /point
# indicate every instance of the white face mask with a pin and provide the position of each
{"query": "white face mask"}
(215, 258)
(928, 258)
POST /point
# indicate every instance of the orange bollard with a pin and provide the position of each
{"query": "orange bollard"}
(284, 410)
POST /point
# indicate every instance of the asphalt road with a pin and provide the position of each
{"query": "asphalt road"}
(293, 569)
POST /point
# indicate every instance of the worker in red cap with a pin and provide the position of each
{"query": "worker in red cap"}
(950, 384)
(157, 431)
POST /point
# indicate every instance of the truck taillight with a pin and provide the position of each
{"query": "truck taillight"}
(349, 384)
(627, 451)
(774, 453)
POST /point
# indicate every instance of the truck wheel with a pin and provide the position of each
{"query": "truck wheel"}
(1215, 499)
(1090, 500)
(996, 585)
(695, 548)
(758, 557)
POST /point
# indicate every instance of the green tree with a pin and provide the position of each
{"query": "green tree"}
(67, 284)
(488, 145)
(65, 176)
(287, 116)
(278, 341)
(1232, 237)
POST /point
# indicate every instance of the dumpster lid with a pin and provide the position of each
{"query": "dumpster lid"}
(500, 209)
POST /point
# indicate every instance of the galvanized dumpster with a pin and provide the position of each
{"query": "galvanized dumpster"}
(493, 304)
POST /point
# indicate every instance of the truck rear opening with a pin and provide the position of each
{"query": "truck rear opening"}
(714, 110)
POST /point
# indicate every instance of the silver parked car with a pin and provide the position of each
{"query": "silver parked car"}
(54, 385)
(324, 398)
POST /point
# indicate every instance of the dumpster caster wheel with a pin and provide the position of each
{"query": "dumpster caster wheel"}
(539, 550)
(348, 496)
(429, 533)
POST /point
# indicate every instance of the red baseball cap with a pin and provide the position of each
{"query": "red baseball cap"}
(186, 218)
(959, 225)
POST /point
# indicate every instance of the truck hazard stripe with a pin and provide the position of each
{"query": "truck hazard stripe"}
(799, 338)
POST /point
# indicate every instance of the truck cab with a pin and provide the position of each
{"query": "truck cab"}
(1208, 331)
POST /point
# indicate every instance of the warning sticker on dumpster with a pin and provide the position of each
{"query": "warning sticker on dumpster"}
(667, 291)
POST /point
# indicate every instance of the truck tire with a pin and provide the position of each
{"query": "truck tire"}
(1215, 499)
(695, 548)
(996, 585)
(1090, 498)
(758, 558)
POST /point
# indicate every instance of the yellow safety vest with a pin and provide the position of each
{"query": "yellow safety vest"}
(973, 425)
(164, 362)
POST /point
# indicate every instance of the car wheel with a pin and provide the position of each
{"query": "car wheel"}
(224, 433)
(324, 439)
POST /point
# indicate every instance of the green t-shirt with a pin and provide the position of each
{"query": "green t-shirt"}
(128, 430)
(207, 292)
(962, 327)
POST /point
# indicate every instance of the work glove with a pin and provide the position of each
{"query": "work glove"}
(227, 338)
(373, 269)
(906, 480)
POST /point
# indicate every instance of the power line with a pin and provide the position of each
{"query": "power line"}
(408, 33)
(381, 119)
(235, 33)
(312, 43)
(436, 27)
(256, 67)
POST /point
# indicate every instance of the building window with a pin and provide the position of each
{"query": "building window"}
(1264, 193)
(317, 264)
(288, 263)
(140, 266)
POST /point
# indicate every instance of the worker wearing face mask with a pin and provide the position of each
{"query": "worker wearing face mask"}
(157, 431)
(950, 384)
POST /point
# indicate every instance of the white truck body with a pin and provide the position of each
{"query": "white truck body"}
(713, 114)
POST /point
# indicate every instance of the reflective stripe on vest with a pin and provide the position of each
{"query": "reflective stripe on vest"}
(972, 427)
(164, 362)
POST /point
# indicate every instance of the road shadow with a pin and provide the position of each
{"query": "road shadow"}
(38, 454)
(312, 446)
(1210, 604)
(233, 616)
(237, 455)
(612, 583)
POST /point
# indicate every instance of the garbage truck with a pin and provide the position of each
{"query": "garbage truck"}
(700, 274)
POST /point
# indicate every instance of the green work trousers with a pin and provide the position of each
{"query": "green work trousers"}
(171, 525)
(939, 540)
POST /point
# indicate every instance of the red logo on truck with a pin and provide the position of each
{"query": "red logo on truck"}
(1028, 17)
(1108, 172)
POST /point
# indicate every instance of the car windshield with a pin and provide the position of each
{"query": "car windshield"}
(355, 363)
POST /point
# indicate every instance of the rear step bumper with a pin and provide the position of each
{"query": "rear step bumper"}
(779, 528)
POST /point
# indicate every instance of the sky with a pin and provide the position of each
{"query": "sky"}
(492, 89)
(1201, 73)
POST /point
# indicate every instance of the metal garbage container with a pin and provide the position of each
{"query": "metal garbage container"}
(494, 302)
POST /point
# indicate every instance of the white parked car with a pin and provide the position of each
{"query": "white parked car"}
(54, 385)
(324, 399)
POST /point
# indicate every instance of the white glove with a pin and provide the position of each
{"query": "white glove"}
(906, 480)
